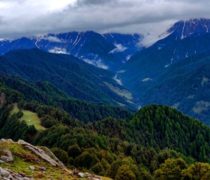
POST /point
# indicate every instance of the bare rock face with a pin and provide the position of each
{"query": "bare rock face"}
(89, 176)
(9, 175)
(42, 154)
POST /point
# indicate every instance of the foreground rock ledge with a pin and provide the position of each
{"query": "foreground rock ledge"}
(42, 156)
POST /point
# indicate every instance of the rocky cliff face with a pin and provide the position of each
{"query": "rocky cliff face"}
(23, 161)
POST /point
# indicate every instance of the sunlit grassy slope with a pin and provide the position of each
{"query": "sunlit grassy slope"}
(29, 117)
(24, 159)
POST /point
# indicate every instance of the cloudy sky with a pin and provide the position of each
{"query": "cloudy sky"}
(30, 17)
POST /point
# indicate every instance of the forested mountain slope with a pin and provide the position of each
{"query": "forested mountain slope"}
(184, 86)
(68, 74)
(44, 93)
(141, 146)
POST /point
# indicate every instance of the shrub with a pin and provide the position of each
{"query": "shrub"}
(86, 160)
(61, 154)
(125, 173)
(74, 151)
(197, 171)
(98, 168)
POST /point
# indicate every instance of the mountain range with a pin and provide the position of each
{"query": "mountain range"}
(121, 70)
(106, 51)
(168, 64)
(74, 97)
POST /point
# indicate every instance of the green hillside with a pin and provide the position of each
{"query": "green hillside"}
(154, 143)
(46, 94)
(67, 73)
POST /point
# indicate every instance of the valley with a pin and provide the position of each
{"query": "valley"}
(120, 71)
(104, 106)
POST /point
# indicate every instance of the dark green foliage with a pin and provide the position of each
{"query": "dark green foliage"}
(197, 171)
(67, 73)
(48, 121)
(137, 148)
(74, 151)
(171, 169)
(61, 155)
(12, 127)
(125, 173)
(124, 169)
(86, 160)
(18, 90)
(162, 126)
(96, 146)
(98, 169)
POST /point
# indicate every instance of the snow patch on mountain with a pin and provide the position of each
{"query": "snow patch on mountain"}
(52, 39)
(183, 30)
(119, 48)
(146, 79)
(97, 63)
(167, 65)
(118, 80)
(58, 50)
(128, 57)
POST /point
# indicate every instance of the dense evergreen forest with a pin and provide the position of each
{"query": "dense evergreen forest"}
(46, 94)
(157, 142)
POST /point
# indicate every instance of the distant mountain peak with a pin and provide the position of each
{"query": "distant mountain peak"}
(188, 28)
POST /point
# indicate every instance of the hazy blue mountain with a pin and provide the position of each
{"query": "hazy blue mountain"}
(184, 86)
(149, 63)
(189, 28)
(106, 51)
(163, 74)
(126, 44)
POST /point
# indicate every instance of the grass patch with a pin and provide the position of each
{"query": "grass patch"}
(29, 117)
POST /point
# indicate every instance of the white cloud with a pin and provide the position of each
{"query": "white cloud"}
(27, 17)
(52, 39)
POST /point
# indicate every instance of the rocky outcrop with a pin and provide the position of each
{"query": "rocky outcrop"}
(86, 175)
(37, 163)
(42, 154)
(6, 174)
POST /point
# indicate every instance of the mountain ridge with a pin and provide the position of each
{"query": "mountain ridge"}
(105, 51)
